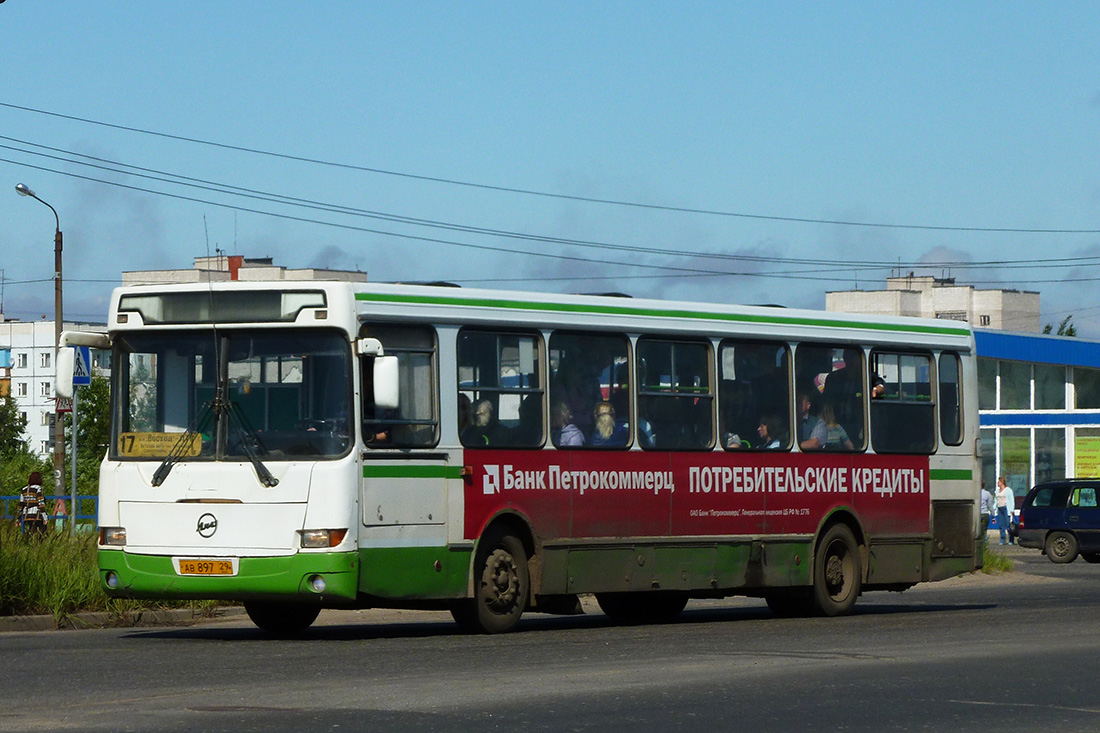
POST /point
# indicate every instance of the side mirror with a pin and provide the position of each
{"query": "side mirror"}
(386, 383)
(66, 364)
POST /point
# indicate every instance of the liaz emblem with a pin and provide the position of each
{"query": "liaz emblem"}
(207, 526)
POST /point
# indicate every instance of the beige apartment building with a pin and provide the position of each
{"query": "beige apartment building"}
(925, 296)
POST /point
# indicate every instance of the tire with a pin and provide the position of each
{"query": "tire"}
(1061, 547)
(838, 575)
(283, 619)
(502, 585)
(650, 607)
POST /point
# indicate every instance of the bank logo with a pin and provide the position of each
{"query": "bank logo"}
(490, 482)
(207, 525)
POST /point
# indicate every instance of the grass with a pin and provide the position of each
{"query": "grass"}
(995, 562)
(56, 573)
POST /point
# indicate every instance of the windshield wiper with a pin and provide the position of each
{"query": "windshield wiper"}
(247, 435)
(182, 444)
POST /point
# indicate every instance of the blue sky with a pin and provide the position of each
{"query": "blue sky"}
(948, 119)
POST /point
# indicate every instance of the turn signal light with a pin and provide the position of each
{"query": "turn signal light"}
(314, 538)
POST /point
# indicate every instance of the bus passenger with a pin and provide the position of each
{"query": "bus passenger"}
(609, 432)
(878, 386)
(564, 432)
(812, 431)
(485, 429)
(528, 433)
(836, 436)
(772, 435)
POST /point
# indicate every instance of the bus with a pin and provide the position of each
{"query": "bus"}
(309, 445)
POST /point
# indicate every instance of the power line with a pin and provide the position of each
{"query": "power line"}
(547, 194)
(667, 270)
(233, 190)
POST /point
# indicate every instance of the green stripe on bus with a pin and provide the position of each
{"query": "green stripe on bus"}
(414, 572)
(652, 312)
(402, 471)
(950, 474)
(279, 578)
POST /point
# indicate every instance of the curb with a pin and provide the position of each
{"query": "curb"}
(104, 620)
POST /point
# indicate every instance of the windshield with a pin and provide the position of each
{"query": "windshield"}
(232, 395)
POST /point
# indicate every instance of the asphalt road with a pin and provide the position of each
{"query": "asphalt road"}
(1007, 653)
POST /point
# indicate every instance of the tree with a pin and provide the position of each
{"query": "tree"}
(1065, 328)
(17, 462)
(12, 425)
(93, 432)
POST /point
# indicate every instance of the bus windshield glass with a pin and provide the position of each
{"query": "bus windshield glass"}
(275, 395)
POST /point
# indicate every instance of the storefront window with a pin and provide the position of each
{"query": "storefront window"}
(1016, 459)
(1086, 452)
(1015, 385)
(1050, 454)
(1050, 387)
(988, 436)
(1086, 383)
(987, 384)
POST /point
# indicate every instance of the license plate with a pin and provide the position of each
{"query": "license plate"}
(206, 567)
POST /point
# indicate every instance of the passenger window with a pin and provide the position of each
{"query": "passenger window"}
(1085, 497)
(903, 418)
(675, 399)
(415, 423)
(589, 390)
(754, 395)
(500, 398)
(830, 389)
(950, 378)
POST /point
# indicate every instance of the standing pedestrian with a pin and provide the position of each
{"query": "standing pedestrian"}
(1006, 504)
(988, 507)
(32, 506)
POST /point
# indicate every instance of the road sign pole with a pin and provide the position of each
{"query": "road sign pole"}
(72, 484)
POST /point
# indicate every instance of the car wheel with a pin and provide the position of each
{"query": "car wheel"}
(1061, 547)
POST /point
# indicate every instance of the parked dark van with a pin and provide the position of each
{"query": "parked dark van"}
(1062, 518)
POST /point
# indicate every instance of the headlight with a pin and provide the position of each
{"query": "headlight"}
(313, 538)
(115, 536)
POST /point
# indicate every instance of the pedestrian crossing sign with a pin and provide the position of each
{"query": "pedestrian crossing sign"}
(82, 366)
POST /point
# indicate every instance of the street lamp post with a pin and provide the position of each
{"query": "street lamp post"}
(59, 424)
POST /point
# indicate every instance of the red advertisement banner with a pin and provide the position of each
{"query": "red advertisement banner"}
(650, 494)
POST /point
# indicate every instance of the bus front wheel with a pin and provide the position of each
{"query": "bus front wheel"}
(837, 572)
(282, 618)
(501, 586)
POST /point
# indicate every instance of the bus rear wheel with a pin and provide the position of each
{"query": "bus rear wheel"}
(282, 618)
(502, 585)
(837, 572)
